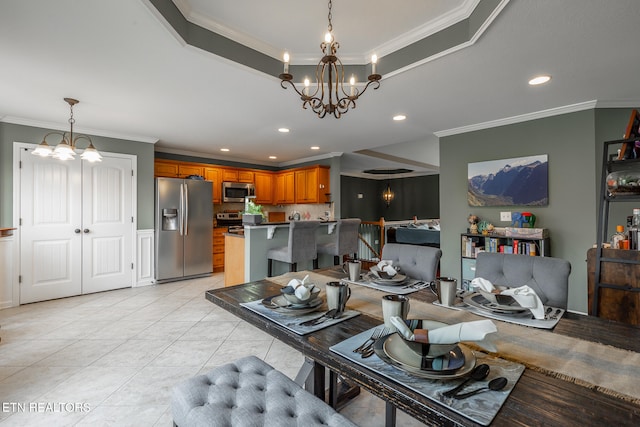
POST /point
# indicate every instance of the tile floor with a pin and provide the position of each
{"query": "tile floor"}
(111, 358)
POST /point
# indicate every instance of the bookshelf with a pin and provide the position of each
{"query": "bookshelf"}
(519, 241)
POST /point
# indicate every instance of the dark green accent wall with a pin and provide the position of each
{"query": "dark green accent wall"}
(417, 196)
(573, 143)
(10, 133)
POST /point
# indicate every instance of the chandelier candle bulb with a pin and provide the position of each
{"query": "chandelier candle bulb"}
(286, 62)
(374, 61)
(306, 87)
(352, 81)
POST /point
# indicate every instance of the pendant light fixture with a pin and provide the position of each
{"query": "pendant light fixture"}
(66, 148)
(388, 195)
(329, 95)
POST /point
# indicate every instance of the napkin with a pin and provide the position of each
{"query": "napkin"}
(524, 295)
(387, 267)
(477, 331)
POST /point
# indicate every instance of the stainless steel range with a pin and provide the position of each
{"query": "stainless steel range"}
(233, 220)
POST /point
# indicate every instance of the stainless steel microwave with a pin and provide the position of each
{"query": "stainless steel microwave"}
(237, 191)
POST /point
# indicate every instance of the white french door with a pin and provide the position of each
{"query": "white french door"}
(76, 233)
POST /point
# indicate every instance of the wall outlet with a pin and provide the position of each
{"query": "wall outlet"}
(360, 196)
(505, 216)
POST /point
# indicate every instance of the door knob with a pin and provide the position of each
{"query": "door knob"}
(86, 230)
(77, 231)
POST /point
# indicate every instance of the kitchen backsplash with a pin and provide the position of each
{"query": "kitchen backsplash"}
(312, 211)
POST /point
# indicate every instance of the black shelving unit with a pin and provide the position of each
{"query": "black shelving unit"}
(611, 163)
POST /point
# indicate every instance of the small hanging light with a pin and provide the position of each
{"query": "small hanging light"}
(388, 195)
(66, 148)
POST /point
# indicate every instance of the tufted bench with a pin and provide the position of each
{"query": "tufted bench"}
(249, 392)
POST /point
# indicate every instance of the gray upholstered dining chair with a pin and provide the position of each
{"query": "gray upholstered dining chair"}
(345, 241)
(417, 262)
(547, 276)
(301, 246)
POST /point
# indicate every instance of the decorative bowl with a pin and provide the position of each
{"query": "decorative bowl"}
(313, 294)
(428, 351)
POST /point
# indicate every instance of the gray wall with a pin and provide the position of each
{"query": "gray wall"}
(573, 143)
(417, 196)
(10, 133)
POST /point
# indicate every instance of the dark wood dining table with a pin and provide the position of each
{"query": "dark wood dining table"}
(537, 398)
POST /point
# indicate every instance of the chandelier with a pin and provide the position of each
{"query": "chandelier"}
(388, 195)
(66, 148)
(329, 95)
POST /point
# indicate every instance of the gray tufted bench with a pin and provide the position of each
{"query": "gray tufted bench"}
(249, 392)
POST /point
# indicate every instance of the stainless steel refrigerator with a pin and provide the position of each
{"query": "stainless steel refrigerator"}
(184, 228)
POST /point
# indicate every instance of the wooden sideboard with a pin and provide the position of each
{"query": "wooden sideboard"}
(619, 299)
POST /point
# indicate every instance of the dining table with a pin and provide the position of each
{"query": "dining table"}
(550, 391)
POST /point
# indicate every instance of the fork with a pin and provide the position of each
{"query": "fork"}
(377, 333)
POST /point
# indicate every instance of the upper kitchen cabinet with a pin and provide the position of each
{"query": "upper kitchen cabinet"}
(229, 175)
(186, 169)
(312, 185)
(264, 188)
(166, 169)
(246, 176)
(284, 188)
(215, 175)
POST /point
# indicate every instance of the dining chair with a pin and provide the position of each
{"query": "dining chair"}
(417, 262)
(345, 240)
(301, 246)
(547, 276)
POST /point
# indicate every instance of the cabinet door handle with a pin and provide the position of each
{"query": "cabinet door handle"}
(77, 231)
(86, 230)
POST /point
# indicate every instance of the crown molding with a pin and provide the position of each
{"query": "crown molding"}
(387, 177)
(425, 30)
(519, 119)
(58, 126)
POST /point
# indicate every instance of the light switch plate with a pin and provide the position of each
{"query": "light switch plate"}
(505, 216)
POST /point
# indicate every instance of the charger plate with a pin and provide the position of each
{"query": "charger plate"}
(477, 300)
(280, 304)
(469, 362)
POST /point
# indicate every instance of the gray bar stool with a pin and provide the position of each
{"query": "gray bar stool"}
(302, 246)
(345, 240)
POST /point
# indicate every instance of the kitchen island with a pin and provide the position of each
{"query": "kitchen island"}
(258, 239)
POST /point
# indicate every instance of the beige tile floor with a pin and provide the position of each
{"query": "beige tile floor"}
(111, 358)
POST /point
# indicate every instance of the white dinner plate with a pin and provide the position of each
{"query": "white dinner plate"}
(280, 304)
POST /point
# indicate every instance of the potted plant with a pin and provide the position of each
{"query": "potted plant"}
(252, 214)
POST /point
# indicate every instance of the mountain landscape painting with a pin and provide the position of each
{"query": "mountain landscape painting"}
(521, 181)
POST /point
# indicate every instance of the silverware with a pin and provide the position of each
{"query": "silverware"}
(555, 315)
(494, 385)
(480, 372)
(377, 333)
(320, 319)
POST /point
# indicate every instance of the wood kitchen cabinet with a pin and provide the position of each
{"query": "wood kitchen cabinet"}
(246, 176)
(264, 188)
(165, 169)
(284, 192)
(312, 185)
(186, 169)
(229, 175)
(218, 248)
(215, 175)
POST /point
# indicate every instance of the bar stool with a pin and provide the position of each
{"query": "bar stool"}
(302, 246)
(345, 240)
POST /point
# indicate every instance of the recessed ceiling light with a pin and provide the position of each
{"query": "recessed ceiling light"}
(539, 80)
(399, 117)
(315, 147)
(272, 157)
(224, 149)
(283, 130)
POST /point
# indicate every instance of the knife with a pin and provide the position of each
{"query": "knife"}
(320, 319)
